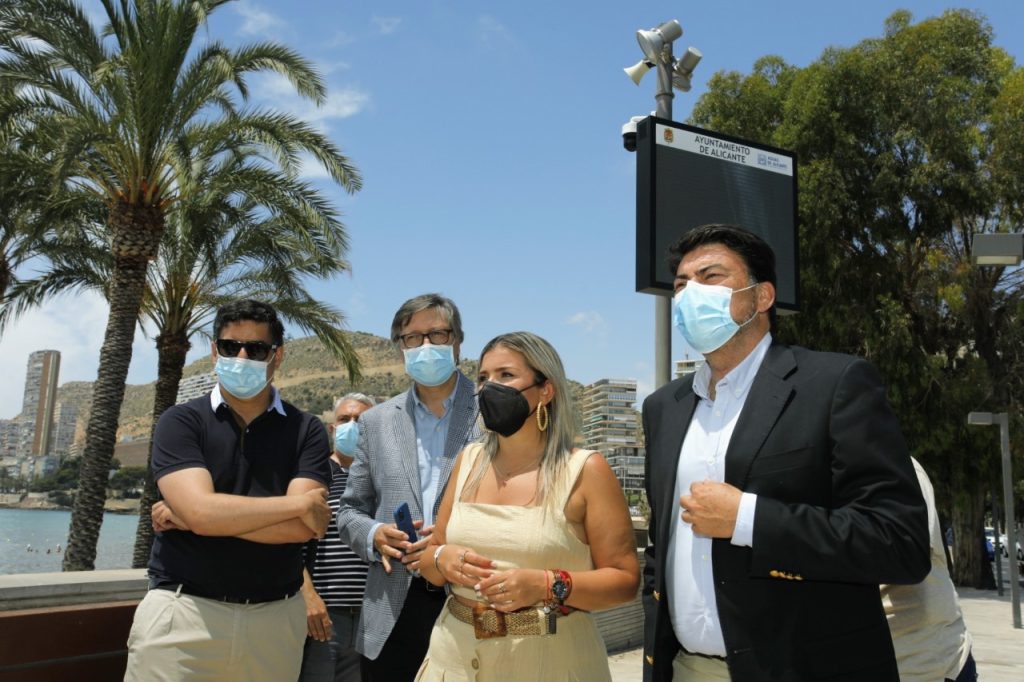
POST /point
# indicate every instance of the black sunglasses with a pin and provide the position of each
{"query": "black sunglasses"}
(254, 350)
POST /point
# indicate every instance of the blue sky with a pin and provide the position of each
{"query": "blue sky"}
(488, 135)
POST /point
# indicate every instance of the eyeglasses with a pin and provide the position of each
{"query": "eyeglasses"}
(438, 337)
(254, 350)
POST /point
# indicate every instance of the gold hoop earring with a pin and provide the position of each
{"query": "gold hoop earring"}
(542, 417)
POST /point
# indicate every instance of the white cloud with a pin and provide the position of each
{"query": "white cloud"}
(341, 103)
(311, 169)
(257, 21)
(276, 91)
(492, 32)
(589, 321)
(340, 39)
(73, 325)
(327, 68)
(386, 25)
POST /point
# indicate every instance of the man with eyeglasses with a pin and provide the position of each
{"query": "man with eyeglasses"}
(405, 453)
(243, 476)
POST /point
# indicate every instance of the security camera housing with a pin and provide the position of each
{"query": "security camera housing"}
(629, 133)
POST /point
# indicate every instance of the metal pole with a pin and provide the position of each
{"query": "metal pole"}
(1003, 419)
(995, 544)
(663, 304)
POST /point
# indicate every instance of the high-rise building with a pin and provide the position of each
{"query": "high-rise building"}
(8, 437)
(65, 422)
(195, 386)
(610, 426)
(39, 402)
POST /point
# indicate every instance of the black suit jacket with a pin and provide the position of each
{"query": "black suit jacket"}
(839, 511)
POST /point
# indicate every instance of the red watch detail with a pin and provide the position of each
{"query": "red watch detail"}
(561, 588)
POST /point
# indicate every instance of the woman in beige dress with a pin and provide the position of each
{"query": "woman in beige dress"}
(532, 535)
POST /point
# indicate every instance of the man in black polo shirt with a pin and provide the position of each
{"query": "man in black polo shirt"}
(243, 477)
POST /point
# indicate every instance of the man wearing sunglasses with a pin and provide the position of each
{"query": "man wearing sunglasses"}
(243, 476)
(405, 453)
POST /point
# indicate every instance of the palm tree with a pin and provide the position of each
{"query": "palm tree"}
(34, 222)
(227, 238)
(120, 109)
(232, 240)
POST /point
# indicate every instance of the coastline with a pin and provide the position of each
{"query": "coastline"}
(38, 501)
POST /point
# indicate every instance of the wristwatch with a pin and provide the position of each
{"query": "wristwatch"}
(561, 587)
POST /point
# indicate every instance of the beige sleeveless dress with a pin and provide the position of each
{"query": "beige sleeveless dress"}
(524, 537)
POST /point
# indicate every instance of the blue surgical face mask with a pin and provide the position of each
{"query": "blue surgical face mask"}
(701, 314)
(241, 377)
(345, 438)
(430, 365)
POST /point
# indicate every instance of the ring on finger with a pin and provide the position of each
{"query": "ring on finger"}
(501, 588)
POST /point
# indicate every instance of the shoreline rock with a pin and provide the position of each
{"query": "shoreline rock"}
(29, 501)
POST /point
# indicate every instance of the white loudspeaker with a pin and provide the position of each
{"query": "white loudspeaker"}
(637, 71)
(684, 67)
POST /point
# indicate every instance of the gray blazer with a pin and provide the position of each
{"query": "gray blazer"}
(385, 473)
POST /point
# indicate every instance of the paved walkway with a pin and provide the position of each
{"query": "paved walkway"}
(998, 647)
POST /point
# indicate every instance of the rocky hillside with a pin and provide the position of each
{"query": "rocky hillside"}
(310, 379)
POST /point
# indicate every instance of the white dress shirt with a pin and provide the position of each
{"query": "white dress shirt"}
(690, 577)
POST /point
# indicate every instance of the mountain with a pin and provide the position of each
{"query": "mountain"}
(309, 378)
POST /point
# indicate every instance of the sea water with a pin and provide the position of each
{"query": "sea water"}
(34, 540)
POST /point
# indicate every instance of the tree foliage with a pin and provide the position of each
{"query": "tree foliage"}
(117, 112)
(908, 145)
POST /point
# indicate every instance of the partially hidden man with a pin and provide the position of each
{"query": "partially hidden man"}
(780, 487)
(243, 476)
(407, 446)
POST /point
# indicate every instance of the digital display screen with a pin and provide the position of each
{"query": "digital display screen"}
(688, 177)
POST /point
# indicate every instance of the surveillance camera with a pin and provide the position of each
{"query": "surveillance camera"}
(629, 133)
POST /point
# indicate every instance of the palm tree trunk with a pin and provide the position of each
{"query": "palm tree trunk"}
(135, 232)
(171, 349)
(129, 282)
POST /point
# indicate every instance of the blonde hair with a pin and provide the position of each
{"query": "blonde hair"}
(540, 357)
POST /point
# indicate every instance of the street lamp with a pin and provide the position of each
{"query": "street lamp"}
(656, 45)
(1003, 421)
(1002, 248)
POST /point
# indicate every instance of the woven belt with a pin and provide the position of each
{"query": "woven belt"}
(488, 623)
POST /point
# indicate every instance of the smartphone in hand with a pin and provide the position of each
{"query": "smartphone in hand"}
(403, 519)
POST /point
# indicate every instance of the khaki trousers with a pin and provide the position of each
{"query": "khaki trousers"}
(177, 637)
(691, 668)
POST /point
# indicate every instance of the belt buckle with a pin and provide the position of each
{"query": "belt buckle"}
(480, 628)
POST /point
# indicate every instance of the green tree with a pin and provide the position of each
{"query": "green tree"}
(241, 229)
(35, 221)
(127, 479)
(64, 478)
(116, 111)
(244, 232)
(908, 145)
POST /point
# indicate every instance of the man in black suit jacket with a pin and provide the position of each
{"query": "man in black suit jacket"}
(781, 491)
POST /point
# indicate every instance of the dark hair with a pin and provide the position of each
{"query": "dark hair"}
(252, 311)
(754, 251)
(426, 302)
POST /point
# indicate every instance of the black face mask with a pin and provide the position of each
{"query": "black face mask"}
(503, 408)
